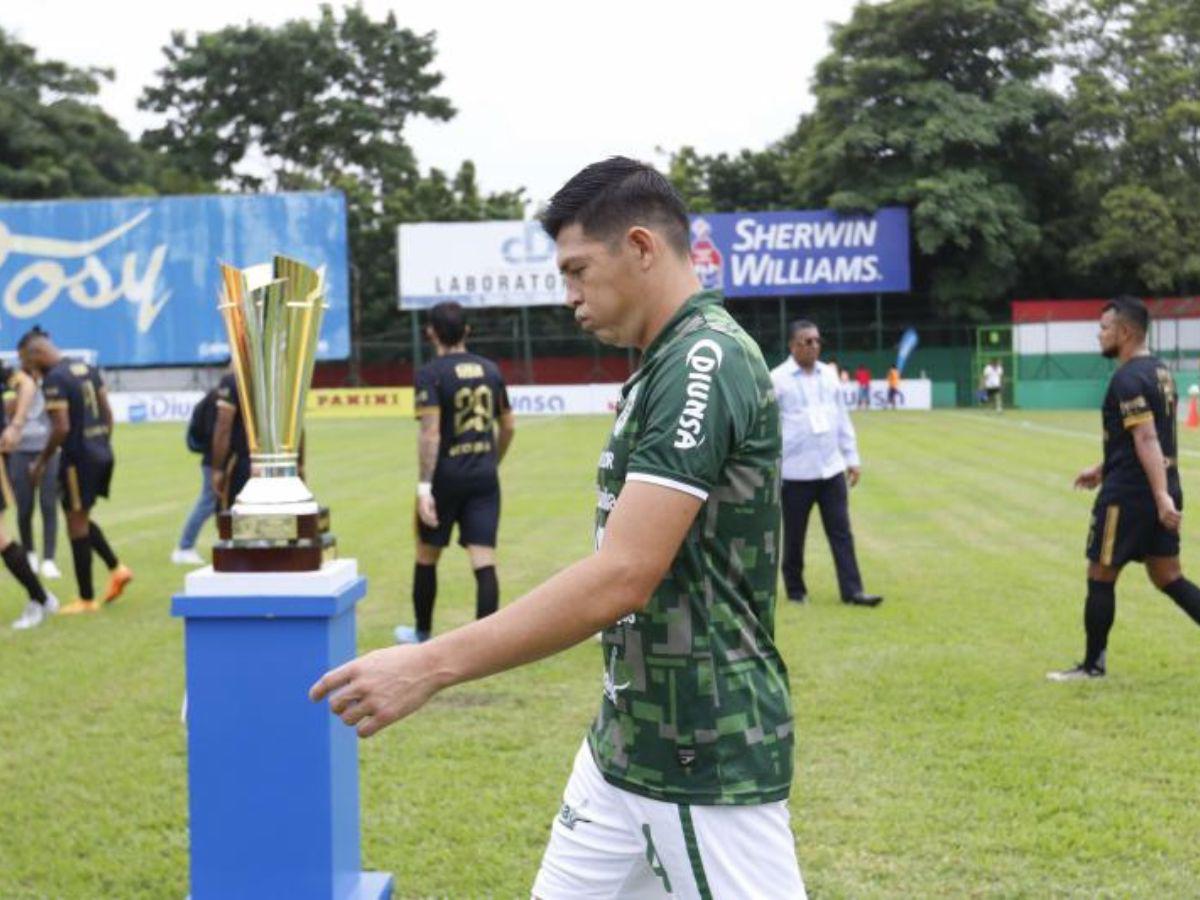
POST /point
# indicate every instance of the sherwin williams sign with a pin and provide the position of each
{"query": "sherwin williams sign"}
(752, 254)
(802, 252)
(137, 279)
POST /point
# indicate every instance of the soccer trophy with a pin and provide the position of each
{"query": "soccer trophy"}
(272, 778)
(272, 315)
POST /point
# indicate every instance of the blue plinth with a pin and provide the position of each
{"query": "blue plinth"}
(272, 777)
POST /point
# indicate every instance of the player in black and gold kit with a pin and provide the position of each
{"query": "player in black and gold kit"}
(466, 428)
(81, 423)
(1137, 514)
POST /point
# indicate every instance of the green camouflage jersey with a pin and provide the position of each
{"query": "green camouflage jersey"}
(696, 707)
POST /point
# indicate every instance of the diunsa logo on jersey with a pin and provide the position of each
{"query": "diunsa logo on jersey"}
(703, 359)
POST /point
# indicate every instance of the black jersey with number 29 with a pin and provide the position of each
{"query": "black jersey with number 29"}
(1142, 390)
(470, 395)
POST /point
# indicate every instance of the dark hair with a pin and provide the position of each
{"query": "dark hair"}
(1131, 309)
(798, 325)
(32, 334)
(608, 197)
(448, 323)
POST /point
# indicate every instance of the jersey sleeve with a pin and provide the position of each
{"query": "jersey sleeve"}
(426, 398)
(227, 392)
(1132, 399)
(55, 390)
(698, 407)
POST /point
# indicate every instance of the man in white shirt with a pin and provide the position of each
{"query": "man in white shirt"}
(820, 458)
(993, 381)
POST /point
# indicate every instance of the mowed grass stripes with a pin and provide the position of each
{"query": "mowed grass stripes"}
(932, 757)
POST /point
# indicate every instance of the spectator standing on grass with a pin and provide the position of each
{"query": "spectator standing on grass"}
(893, 383)
(863, 376)
(199, 438)
(33, 438)
(993, 384)
(820, 461)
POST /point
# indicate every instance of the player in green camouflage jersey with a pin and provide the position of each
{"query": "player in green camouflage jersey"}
(680, 788)
(696, 703)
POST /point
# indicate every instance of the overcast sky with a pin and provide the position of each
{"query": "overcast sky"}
(541, 88)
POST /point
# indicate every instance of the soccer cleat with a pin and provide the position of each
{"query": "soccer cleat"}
(406, 634)
(80, 606)
(33, 563)
(51, 604)
(32, 617)
(188, 557)
(50, 570)
(120, 577)
(1080, 672)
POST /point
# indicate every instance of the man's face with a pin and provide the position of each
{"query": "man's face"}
(1110, 334)
(601, 285)
(805, 346)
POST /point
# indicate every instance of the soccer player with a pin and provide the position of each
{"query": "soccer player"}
(1137, 512)
(466, 428)
(230, 453)
(81, 423)
(681, 784)
(41, 604)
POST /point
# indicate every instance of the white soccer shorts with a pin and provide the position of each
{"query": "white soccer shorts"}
(609, 843)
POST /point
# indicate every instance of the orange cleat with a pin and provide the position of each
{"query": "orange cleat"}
(80, 606)
(120, 577)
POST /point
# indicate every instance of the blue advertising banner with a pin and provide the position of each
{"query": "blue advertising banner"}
(137, 278)
(802, 252)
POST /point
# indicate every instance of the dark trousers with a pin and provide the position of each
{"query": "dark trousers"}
(832, 496)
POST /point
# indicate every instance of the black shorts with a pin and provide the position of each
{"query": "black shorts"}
(475, 511)
(1126, 529)
(83, 481)
(992, 392)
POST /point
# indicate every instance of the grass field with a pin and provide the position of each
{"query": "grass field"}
(933, 760)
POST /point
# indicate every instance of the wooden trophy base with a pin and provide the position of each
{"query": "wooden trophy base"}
(273, 543)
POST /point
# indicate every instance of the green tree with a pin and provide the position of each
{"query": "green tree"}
(940, 105)
(1135, 109)
(316, 104)
(56, 142)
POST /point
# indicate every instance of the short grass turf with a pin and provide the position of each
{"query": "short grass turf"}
(932, 757)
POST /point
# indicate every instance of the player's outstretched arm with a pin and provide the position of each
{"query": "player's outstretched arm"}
(642, 536)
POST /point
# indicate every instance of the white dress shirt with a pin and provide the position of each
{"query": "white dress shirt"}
(818, 437)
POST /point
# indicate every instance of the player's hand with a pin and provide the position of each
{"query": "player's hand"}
(36, 470)
(1168, 515)
(427, 511)
(1089, 478)
(377, 689)
(9, 439)
(853, 474)
(218, 482)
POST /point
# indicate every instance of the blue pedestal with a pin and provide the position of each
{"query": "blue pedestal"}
(272, 777)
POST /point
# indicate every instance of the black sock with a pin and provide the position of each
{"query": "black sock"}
(100, 545)
(487, 592)
(1186, 595)
(423, 594)
(1098, 615)
(81, 553)
(18, 564)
